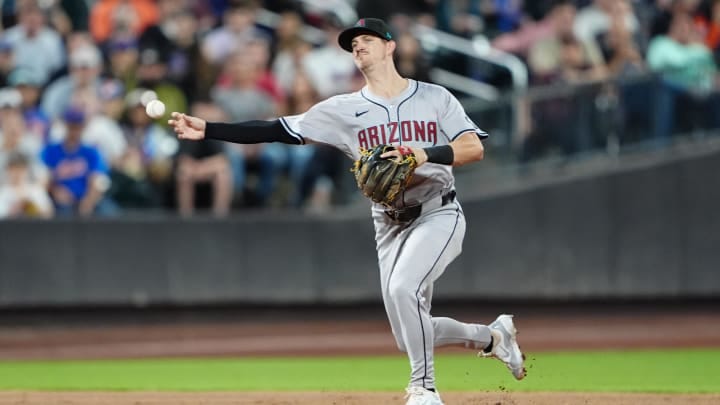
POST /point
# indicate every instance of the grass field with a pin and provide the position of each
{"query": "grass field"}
(667, 371)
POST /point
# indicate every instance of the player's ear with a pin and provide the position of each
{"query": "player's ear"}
(391, 45)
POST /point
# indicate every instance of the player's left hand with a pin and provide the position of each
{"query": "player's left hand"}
(400, 151)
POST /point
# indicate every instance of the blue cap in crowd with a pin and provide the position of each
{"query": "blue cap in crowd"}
(74, 115)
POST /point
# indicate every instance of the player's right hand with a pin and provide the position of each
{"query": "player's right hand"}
(187, 126)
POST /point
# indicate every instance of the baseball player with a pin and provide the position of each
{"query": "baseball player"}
(422, 231)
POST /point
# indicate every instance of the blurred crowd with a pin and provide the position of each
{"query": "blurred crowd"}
(75, 76)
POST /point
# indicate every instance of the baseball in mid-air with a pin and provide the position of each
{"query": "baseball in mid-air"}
(155, 108)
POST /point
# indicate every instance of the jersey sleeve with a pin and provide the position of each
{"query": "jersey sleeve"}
(454, 121)
(320, 124)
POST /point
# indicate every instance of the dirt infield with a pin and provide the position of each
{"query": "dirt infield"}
(341, 332)
(332, 398)
(313, 332)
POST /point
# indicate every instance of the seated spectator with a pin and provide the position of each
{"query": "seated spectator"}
(500, 16)
(709, 26)
(595, 20)
(187, 66)
(242, 99)
(78, 176)
(329, 68)
(123, 57)
(459, 17)
(552, 25)
(689, 77)
(103, 112)
(85, 68)
(15, 137)
(565, 121)
(204, 162)
(124, 17)
(31, 39)
(237, 30)
(20, 194)
(409, 59)
(143, 174)
(545, 55)
(619, 44)
(7, 61)
(152, 73)
(28, 83)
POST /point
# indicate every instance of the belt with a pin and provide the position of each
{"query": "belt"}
(407, 214)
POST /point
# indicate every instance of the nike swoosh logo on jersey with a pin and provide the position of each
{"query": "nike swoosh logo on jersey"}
(357, 114)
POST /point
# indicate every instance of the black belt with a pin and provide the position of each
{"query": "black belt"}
(407, 214)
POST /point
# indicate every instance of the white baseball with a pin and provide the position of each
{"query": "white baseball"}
(155, 108)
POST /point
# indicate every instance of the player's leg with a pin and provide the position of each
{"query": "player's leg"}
(389, 240)
(422, 252)
(450, 332)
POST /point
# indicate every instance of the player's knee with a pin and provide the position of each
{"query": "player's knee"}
(400, 292)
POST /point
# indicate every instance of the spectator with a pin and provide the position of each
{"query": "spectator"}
(619, 44)
(595, 20)
(78, 179)
(103, 112)
(143, 174)
(123, 56)
(77, 14)
(187, 65)
(20, 194)
(7, 61)
(689, 74)
(709, 25)
(545, 56)
(565, 121)
(258, 51)
(28, 83)
(31, 37)
(152, 73)
(204, 162)
(237, 30)
(290, 50)
(15, 137)
(85, 68)
(500, 16)
(462, 18)
(242, 100)
(520, 42)
(110, 18)
(329, 67)
(409, 59)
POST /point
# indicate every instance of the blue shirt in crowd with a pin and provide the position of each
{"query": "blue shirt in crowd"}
(72, 169)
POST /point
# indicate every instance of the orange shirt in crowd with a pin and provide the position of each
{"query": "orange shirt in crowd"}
(106, 15)
(710, 31)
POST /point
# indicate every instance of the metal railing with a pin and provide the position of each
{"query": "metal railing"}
(479, 48)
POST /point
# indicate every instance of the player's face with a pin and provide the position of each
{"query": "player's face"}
(368, 49)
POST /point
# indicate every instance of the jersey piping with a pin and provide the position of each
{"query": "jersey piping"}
(291, 132)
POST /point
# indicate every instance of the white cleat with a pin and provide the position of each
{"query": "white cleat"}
(505, 347)
(422, 396)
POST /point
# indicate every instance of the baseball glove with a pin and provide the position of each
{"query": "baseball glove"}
(382, 179)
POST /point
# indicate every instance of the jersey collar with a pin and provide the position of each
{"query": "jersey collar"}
(409, 90)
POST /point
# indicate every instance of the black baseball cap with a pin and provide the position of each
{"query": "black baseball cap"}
(369, 26)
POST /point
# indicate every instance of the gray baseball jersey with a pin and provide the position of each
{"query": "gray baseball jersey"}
(411, 255)
(423, 115)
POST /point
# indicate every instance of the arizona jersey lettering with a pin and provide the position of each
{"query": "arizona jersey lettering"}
(421, 116)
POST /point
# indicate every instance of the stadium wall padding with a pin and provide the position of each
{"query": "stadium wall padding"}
(650, 232)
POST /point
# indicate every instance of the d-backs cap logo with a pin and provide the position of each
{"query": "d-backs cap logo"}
(360, 23)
